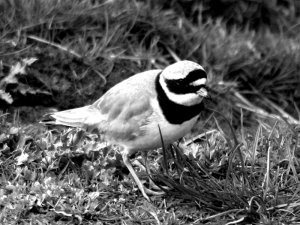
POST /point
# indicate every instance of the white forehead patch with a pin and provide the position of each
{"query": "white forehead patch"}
(199, 82)
(180, 70)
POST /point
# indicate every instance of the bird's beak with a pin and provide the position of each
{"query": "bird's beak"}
(202, 92)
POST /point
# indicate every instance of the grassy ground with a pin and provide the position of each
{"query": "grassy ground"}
(240, 165)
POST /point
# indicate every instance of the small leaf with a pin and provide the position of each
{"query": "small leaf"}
(29, 61)
(13, 130)
(18, 68)
(6, 97)
(21, 159)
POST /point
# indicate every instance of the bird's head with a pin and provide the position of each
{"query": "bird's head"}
(184, 82)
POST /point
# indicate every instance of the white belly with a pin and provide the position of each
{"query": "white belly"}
(152, 139)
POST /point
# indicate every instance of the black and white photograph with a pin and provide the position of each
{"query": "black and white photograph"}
(149, 112)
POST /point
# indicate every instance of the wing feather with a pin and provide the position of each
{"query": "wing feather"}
(127, 107)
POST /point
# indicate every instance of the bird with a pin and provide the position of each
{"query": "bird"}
(142, 110)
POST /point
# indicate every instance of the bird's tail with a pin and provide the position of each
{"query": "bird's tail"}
(78, 117)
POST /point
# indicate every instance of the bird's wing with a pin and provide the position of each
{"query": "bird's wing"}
(78, 117)
(125, 113)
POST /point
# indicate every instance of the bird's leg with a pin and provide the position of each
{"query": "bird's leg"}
(151, 183)
(144, 155)
(143, 189)
(133, 174)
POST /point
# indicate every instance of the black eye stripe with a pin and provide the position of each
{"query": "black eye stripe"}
(195, 75)
(184, 86)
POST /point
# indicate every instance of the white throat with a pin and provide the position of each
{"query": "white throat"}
(188, 99)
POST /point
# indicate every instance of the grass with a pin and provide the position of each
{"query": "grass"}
(240, 164)
(51, 176)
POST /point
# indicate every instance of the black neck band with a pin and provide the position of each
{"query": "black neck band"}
(173, 112)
